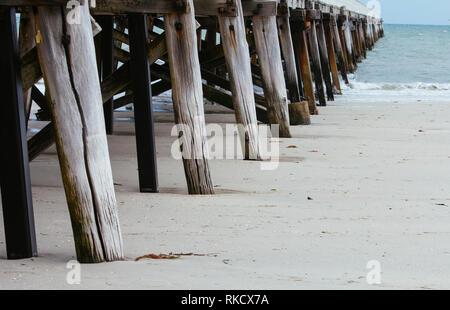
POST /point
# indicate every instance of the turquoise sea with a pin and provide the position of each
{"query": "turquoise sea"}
(410, 62)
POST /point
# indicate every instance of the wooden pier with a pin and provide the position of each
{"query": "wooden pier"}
(294, 50)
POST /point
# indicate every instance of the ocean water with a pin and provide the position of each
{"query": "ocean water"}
(410, 63)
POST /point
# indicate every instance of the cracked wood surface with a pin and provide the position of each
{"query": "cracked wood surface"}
(80, 133)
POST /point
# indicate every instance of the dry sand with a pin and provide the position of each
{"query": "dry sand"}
(378, 176)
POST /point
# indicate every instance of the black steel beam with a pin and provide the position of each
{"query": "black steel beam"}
(143, 114)
(15, 182)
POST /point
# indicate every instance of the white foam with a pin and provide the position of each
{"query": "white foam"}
(399, 86)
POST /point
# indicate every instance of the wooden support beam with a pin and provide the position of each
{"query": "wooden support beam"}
(269, 56)
(17, 202)
(30, 69)
(143, 114)
(350, 45)
(362, 39)
(341, 58)
(292, 81)
(107, 65)
(213, 94)
(188, 98)
(324, 61)
(332, 55)
(203, 7)
(235, 46)
(374, 33)
(316, 67)
(41, 141)
(347, 55)
(287, 48)
(301, 49)
(356, 44)
(67, 57)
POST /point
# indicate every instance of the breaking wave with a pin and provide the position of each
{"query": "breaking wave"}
(399, 86)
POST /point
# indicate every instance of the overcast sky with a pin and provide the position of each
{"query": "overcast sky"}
(429, 12)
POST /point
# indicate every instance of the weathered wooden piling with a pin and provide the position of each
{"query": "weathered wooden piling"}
(331, 53)
(298, 27)
(345, 44)
(341, 56)
(269, 56)
(298, 110)
(362, 39)
(324, 61)
(355, 43)
(374, 33)
(67, 56)
(181, 38)
(235, 46)
(316, 66)
(81, 108)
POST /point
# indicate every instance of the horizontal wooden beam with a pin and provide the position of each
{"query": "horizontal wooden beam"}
(202, 7)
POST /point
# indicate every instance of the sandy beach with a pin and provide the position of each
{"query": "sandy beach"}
(364, 182)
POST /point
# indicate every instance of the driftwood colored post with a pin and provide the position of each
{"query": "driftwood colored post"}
(236, 50)
(315, 63)
(331, 54)
(287, 48)
(17, 202)
(107, 65)
(367, 34)
(375, 34)
(301, 48)
(142, 94)
(357, 44)
(349, 44)
(67, 57)
(362, 39)
(344, 43)
(341, 60)
(324, 61)
(298, 111)
(187, 95)
(269, 57)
